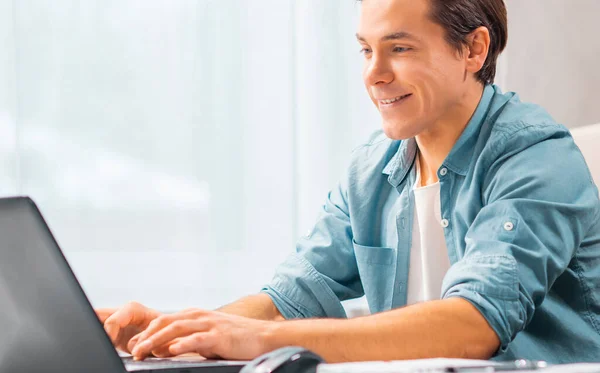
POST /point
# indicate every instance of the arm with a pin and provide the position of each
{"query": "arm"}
(448, 328)
(312, 282)
(539, 203)
(258, 306)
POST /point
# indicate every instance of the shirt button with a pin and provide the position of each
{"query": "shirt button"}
(508, 226)
(445, 223)
(443, 171)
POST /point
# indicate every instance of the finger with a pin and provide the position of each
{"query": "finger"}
(105, 313)
(160, 322)
(116, 322)
(200, 343)
(176, 329)
(154, 326)
(133, 341)
(163, 351)
(165, 320)
(196, 311)
(131, 314)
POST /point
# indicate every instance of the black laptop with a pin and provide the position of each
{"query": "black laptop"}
(46, 321)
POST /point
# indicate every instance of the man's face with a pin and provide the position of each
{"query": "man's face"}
(413, 76)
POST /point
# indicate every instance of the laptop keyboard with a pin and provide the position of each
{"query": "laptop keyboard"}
(158, 363)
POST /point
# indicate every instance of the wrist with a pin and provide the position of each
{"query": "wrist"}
(273, 335)
(322, 336)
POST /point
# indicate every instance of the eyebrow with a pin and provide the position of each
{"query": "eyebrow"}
(395, 36)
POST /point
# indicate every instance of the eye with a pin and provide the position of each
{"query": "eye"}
(365, 50)
(400, 49)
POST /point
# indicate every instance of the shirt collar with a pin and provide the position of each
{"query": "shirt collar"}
(460, 155)
(398, 167)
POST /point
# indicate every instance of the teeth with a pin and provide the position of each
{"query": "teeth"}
(393, 99)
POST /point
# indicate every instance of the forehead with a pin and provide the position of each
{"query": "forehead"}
(381, 17)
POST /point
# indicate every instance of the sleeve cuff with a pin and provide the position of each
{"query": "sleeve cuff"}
(282, 304)
(490, 283)
(298, 291)
(489, 312)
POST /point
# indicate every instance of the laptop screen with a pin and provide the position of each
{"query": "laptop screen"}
(46, 321)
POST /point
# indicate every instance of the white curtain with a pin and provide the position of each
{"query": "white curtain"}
(179, 148)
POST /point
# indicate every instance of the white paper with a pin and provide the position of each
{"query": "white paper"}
(573, 368)
(401, 366)
(438, 365)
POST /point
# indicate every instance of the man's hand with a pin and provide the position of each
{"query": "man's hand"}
(211, 334)
(123, 324)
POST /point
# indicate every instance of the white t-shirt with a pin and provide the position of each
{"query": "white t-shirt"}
(429, 260)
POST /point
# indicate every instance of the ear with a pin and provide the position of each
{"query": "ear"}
(478, 45)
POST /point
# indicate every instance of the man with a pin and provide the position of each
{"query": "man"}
(471, 223)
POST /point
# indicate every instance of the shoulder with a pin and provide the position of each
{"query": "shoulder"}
(516, 125)
(527, 147)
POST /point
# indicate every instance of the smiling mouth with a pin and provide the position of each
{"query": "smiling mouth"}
(395, 99)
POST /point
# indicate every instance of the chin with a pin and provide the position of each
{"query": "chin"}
(399, 130)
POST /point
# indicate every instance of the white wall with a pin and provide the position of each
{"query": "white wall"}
(554, 57)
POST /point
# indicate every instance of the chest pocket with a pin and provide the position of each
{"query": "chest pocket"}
(377, 269)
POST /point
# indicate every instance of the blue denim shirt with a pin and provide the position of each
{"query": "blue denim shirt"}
(521, 222)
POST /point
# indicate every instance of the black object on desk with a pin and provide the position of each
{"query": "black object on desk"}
(285, 360)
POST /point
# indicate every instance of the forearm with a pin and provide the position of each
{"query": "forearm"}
(446, 328)
(258, 306)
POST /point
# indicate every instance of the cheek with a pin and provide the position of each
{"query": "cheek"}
(448, 69)
(415, 75)
(423, 82)
(436, 82)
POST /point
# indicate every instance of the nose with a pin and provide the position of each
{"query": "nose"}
(377, 71)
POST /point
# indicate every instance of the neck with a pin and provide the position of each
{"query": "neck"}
(436, 142)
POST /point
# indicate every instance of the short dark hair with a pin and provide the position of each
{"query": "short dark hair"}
(461, 17)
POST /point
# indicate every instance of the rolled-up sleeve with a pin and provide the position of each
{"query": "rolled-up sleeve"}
(538, 205)
(322, 272)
